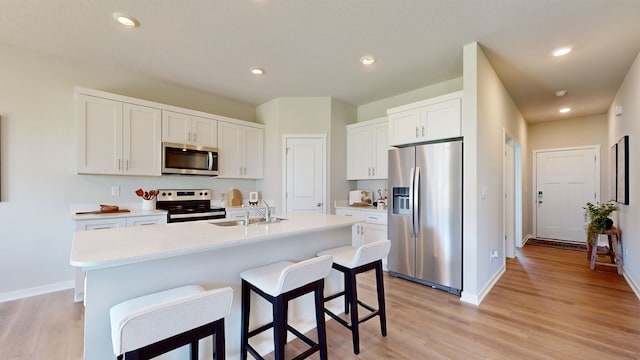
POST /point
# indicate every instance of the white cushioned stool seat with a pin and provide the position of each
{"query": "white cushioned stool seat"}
(151, 318)
(352, 257)
(278, 278)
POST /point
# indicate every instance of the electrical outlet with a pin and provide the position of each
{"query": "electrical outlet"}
(494, 255)
(115, 190)
(626, 252)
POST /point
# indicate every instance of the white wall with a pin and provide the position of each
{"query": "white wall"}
(487, 112)
(629, 124)
(39, 155)
(379, 108)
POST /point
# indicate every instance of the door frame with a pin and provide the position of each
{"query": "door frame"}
(515, 168)
(285, 138)
(534, 178)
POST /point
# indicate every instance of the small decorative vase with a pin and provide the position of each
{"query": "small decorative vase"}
(148, 204)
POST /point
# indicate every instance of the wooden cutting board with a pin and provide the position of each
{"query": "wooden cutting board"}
(235, 197)
(103, 212)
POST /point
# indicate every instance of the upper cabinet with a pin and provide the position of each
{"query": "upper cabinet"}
(432, 119)
(117, 138)
(367, 145)
(241, 151)
(189, 129)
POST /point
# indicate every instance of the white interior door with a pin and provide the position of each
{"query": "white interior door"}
(305, 174)
(565, 181)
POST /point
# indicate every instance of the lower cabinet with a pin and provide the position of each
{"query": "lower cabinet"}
(373, 229)
(110, 223)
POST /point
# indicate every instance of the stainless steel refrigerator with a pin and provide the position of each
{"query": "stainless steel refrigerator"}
(425, 214)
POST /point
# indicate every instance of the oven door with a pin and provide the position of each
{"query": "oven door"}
(189, 159)
(195, 216)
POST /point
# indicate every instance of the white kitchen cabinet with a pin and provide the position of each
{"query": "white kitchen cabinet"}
(241, 151)
(110, 222)
(117, 138)
(367, 145)
(432, 119)
(373, 229)
(189, 129)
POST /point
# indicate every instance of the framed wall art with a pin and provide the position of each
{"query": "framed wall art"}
(622, 173)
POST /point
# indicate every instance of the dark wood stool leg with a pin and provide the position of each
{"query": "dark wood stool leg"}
(320, 323)
(381, 303)
(244, 334)
(194, 350)
(353, 303)
(219, 350)
(346, 293)
(279, 328)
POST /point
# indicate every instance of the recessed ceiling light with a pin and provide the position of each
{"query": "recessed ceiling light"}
(562, 51)
(367, 60)
(257, 71)
(564, 110)
(126, 20)
(561, 93)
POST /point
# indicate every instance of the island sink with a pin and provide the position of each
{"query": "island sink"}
(254, 221)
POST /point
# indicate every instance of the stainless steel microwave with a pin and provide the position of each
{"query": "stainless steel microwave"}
(189, 159)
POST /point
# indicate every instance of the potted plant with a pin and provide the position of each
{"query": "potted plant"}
(598, 219)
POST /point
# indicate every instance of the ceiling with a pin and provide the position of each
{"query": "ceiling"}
(313, 47)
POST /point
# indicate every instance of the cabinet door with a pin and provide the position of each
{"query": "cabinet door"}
(176, 127)
(442, 120)
(142, 140)
(357, 234)
(381, 149)
(253, 153)
(99, 125)
(204, 131)
(404, 127)
(360, 145)
(374, 232)
(229, 144)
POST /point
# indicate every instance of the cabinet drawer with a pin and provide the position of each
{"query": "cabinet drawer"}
(347, 212)
(376, 218)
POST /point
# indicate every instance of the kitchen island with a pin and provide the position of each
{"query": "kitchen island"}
(129, 262)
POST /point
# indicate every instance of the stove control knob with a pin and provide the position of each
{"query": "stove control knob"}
(164, 194)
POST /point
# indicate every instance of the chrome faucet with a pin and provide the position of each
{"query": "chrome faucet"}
(266, 214)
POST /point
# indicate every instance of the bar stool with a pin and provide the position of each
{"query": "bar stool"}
(351, 261)
(279, 283)
(151, 325)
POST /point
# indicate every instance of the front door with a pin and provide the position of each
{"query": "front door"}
(305, 174)
(565, 181)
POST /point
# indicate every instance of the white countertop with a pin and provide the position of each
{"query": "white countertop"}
(361, 208)
(131, 213)
(114, 247)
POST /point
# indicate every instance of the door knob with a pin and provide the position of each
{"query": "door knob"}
(319, 204)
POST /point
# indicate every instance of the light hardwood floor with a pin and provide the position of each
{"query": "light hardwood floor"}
(548, 305)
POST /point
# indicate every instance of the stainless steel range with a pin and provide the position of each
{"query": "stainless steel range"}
(188, 205)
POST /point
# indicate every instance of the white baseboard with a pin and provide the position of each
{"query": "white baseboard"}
(476, 299)
(632, 284)
(38, 290)
(526, 238)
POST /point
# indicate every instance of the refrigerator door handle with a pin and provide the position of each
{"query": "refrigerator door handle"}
(415, 204)
(412, 201)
